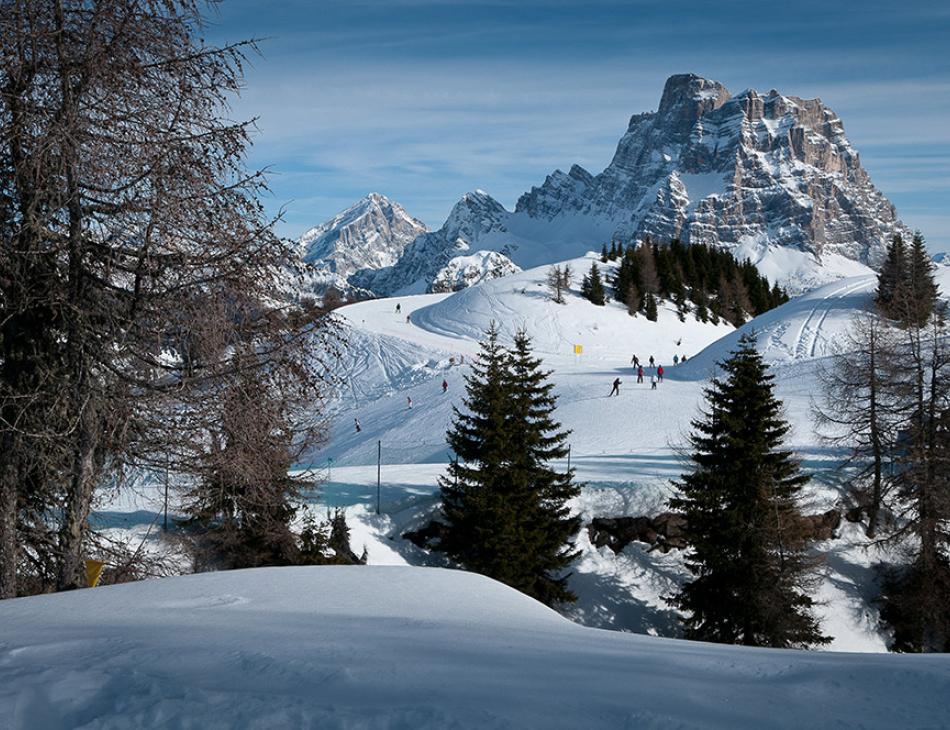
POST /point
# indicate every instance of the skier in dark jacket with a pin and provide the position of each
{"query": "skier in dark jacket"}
(651, 361)
(356, 423)
(445, 385)
(616, 388)
(640, 374)
(636, 362)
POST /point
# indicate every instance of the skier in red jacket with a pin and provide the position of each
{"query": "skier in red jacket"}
(659, 372)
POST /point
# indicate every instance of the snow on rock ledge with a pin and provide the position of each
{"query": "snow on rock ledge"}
(465, 271)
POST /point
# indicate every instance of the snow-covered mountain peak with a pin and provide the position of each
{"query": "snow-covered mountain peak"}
(371, 234)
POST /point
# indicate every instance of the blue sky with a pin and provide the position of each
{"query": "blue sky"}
(424, 100)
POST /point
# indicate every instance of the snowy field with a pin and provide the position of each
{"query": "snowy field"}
(626, 450)
(334, 648)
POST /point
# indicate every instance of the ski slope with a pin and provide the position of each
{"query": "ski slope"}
(420, 649)
(626, 449)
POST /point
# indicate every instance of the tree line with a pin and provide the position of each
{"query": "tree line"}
(146, 324)
(707, 282)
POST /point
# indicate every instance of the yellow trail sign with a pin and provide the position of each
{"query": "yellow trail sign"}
(578, 349)
(93, 572)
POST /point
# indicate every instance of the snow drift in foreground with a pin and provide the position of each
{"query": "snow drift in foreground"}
(374, 647)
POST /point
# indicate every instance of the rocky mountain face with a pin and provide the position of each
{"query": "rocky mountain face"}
(369, 235)
(771, 177)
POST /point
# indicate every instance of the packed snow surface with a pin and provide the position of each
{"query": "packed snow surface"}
(413, 648)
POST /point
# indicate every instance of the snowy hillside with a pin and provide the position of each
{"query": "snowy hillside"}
(625, 449)
(364, 647)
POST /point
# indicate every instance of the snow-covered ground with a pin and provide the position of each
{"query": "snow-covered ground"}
(410, 648)
(626, 450)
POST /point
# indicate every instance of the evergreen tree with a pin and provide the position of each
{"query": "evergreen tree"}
(893, 275)
(743, 526)
(650, 307)
(505, 507)
(921, 288)
(603, 254)
(592, 286)
(545, 529)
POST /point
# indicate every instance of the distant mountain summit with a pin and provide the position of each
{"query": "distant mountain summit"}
(772, 178)
(371, 234)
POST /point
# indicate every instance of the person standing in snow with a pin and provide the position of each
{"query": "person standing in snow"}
(616, 388)
(635, 362)
(445, 385)
(409, 401)
(676, 360)
(651, 361)
(683, 359)
(407, 319)
(653, 382)
(356, 422)
(659, 372)
(640, 374)
(398, 308)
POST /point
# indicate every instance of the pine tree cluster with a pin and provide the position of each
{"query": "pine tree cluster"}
(505, 506)
(709, 282)
(906, 289)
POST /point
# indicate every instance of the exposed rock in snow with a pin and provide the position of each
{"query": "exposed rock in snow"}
(464, 271)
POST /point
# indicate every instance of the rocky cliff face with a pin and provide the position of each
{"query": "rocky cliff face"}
(369, 235)
(771, 177)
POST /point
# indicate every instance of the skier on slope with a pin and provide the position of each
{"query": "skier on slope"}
(409, 401)
(651, 361)
(398, 308)
(659, 372)
(445, 385)
(356, 423)
(635, 362)
(653, 382)
(676, 360)
(640, 374)
(616, 388)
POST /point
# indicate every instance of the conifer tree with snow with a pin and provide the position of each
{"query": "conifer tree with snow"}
(650, 307)
(746, 538)
(505, 506)
(592, 286)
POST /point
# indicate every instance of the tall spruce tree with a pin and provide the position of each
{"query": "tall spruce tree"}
(890, 280)
(592, 286)
(743, 527)
(504, 505)
(650, 307)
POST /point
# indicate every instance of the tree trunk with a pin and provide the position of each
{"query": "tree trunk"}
(8, 502)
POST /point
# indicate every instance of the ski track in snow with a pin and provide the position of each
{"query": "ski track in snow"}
(807, 346)
(625, 449)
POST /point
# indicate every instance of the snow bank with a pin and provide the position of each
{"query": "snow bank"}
(365, 647)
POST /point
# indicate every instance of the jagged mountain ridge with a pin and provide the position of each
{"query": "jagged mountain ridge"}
(772, 178)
